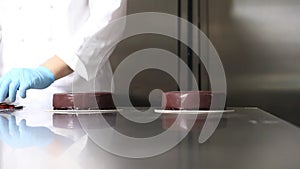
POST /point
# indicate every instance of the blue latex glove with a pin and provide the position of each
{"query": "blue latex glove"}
(23, 136)
(23, 79)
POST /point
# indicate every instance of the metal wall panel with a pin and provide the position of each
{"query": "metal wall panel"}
(259, 45)
(147, 80)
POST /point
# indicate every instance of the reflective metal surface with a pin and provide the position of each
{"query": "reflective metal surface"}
(258, 42)
(246, 138)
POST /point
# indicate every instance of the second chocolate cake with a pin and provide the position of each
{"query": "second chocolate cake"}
(190, 100)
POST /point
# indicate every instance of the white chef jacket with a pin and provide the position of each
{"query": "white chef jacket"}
(32, 31)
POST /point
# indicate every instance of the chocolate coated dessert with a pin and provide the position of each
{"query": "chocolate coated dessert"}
(189, 100)
(83, 101)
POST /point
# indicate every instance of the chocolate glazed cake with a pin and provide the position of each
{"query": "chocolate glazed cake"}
(82, 101)
(188, 100)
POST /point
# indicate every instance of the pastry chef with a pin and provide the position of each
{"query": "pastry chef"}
(57, 46)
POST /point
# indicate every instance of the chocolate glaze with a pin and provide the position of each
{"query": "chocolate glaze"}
(83, 101)
(189, 100)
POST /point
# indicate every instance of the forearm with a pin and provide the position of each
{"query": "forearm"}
(58, 145)
(58, 67)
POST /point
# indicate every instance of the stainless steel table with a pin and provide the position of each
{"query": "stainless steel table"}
(248, 138)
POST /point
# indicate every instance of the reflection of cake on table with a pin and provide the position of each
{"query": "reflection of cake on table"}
(88, 121)
(191, 100)
(82, 101)
(169, 119)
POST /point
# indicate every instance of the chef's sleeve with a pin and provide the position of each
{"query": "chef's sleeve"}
(0, 47)
(0, 33)
(92, 42)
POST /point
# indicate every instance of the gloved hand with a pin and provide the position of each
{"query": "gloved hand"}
(23, 79)
(23, 136)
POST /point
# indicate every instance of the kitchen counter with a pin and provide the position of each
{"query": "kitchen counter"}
(248, 138)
